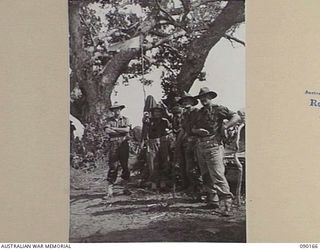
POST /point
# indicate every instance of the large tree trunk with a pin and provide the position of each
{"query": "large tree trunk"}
(110, 74)
(78, 59)
(199, 48)
(96, 90)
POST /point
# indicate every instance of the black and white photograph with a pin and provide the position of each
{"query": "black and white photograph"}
(157, 121)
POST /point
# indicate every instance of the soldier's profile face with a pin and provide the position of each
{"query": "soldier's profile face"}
(117, 112)
(205, 100)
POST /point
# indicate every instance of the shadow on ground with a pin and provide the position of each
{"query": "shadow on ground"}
(176, 230)
(146, 216)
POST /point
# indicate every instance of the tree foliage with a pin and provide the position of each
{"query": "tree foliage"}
(125, 39)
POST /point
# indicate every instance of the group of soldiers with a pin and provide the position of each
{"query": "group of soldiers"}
(188, 137)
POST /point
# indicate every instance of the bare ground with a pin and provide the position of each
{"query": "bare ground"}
(145, 216)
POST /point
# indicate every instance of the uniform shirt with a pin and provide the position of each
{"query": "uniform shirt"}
(158, 128)
(120, 122)
(189, 118)
(176, 124)
(211, 118)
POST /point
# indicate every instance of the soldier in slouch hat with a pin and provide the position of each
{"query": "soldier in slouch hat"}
(210, 130)
(156, 139)
(117, 128)
(186, 142)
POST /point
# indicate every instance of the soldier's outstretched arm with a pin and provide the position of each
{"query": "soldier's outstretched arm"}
(122, 130)
(110, 131)
(233, 121)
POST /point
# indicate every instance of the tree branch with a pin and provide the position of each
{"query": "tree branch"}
(168, 68)
(164, 40)
(89, 30)
(199, 48)
(202, 2)
(158, 33)
(169, 17)
(232, 38)
(186, 7)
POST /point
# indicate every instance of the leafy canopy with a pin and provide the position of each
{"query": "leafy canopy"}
(162, 29)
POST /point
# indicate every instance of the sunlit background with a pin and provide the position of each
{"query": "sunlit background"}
(225, 74)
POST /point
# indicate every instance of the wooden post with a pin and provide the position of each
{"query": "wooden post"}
(239, 167)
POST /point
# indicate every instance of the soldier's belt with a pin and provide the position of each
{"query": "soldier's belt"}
(211, 139)
(118, 138)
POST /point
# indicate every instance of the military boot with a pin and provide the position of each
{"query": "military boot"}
(227, 207)
(213, 201)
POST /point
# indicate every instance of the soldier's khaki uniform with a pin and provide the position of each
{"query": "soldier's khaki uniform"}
(189, 161)
(118, 150)
(176, 120)
(210, 151)
(158, 149)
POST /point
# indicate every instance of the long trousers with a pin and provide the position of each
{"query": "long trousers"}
(157, 159)
(210, 158)
(118, 153)
(190, 168)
